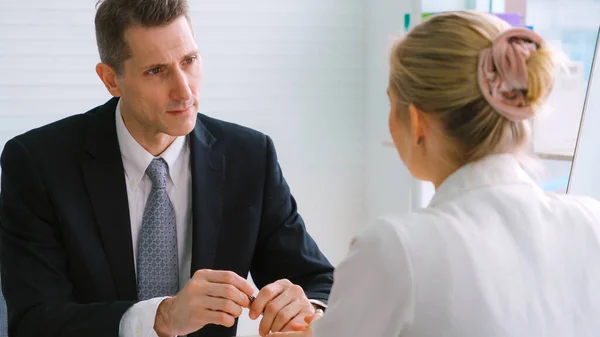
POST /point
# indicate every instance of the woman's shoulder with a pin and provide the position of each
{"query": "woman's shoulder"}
(427, 229)
(576, 205)
(420, 216)
(387, 233)
(426, 219)
(397, 231)
(581, 200)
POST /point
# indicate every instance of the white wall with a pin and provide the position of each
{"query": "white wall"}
(436, 6)
(294, 70)
(452, 5)
(387, 180)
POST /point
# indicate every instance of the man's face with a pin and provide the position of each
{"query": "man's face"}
(160, 82)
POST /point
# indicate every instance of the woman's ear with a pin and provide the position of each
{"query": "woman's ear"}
(417, 124)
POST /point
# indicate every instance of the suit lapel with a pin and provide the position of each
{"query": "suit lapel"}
(105, 180)
(208, 177)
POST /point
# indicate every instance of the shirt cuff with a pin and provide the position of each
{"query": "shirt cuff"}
(138, 321)
(319, 303)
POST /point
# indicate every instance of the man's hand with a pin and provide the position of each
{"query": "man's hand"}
(284, 307)
(305, 333)
(210, 297)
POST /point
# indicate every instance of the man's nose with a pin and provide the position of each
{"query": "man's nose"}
(181, 90)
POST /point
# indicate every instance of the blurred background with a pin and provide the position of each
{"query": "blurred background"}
(312, 74)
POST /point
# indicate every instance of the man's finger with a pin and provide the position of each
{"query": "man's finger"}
(297, 324)
(310, 318)
(287, 315)
(230, 292)
(219, 318)
(272, 310)
(265, 295)
(222, 305)
(288, 334)
(229, 277)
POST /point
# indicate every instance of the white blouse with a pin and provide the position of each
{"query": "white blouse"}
(492, 255)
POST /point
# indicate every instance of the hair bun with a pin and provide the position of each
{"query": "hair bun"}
(502, 72)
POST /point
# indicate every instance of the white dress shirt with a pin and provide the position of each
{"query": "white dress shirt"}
(492, 255)
(139, 319)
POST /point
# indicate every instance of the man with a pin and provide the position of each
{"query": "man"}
(142, 217)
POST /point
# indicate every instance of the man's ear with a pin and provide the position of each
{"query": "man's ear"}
(417, 124)
(108, 76)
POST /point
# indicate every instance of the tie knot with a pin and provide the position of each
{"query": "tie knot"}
(157, 171)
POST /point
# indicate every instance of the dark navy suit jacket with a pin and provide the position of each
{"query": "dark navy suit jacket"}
(66, 255)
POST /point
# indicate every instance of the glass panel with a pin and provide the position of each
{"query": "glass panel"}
(584, 175)
(571, 26)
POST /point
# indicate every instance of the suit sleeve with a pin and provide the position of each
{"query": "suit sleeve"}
(34, 266)
(373, 292)
(284, 248)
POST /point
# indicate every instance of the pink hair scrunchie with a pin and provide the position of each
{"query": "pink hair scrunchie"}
(502, 72)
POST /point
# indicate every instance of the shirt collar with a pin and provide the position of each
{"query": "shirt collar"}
(499, 169)
(136, 159)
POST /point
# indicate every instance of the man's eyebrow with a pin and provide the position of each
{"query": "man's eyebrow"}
(159, 65)
(194, 52)
(152, 66)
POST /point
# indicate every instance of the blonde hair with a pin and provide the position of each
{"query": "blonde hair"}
(435, 68)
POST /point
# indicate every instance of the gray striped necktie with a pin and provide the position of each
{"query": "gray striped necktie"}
(157, 261)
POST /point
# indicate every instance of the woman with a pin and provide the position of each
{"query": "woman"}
(493, 254)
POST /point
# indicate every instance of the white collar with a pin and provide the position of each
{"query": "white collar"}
(499, 169)
(136, 159)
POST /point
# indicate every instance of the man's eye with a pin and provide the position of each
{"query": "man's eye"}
(191, 59)
(154, 71)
